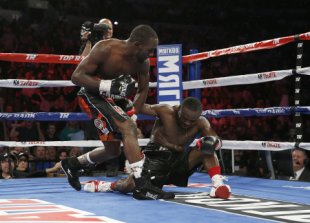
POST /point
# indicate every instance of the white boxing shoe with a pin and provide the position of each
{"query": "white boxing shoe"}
(219, 189)
(97, 186)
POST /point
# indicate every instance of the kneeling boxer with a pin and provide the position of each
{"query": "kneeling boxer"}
(169, 159)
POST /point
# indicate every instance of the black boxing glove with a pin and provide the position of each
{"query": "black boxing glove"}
(86, 27)
(119, 87)
(96, 31)
(99, 30)
(209, 144)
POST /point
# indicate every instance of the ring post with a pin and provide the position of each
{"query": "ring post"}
(194, 73)
(297, 96)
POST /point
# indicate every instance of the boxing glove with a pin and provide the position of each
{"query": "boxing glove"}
(86, 28)
(209, 144)
(99, 30)
(121, 86)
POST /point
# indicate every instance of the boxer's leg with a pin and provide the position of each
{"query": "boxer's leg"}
(124, 185)
(211, 164)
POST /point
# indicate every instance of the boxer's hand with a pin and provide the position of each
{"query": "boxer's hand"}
(121, 86)
(85, 35)
(208, 144)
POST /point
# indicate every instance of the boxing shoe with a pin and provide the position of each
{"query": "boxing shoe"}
(145, 190)
(71, 167)
(97, 186)
(219, 189)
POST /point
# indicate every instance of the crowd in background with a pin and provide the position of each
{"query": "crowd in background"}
(58, 35)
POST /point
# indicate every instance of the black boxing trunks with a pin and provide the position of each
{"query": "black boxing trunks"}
(101, 110)
(165, 166)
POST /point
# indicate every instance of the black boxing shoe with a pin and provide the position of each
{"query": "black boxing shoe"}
(145, 190)
(71, 166)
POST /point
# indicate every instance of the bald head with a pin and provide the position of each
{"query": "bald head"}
(108, 22)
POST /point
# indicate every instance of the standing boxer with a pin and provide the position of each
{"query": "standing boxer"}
(105, 75)
(89, 38)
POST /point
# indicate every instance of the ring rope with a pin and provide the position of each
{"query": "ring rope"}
(227, 144)
(187, 85)
(212, 113)
(261, 45)
(75, 59)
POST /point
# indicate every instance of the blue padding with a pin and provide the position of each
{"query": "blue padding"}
(61, 116)
(123, 208)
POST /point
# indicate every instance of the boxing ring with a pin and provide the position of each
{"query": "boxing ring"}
(260, 200)
(254, 200)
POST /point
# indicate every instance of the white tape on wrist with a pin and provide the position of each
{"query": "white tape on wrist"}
(105, 86)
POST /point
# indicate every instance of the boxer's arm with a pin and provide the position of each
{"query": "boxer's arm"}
(209, 142)
(205, 128)
(87, 49)
(143, 88)
(84, 73)
(155, 110)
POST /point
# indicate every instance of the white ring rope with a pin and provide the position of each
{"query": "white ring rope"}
(214, 82)
(227, 144)
(205, 83)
